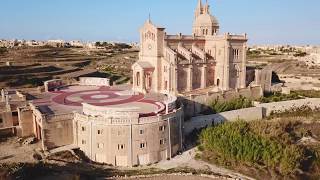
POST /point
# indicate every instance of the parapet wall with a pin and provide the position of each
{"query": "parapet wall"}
(93, 81)
(106, 112)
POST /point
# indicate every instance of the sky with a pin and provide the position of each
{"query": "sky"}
(265, 21)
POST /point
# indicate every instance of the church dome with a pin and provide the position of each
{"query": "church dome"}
(206, 20)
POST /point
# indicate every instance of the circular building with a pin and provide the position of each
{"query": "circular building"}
(129, 128)
(110, 124)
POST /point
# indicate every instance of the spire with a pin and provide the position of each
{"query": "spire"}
(149, 18)
(207, 8)
(199, 9)
(199, 6)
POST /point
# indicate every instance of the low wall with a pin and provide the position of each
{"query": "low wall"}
(93, 81)
(195, 104)
(287, 105)
(52, 84)
(248, 114)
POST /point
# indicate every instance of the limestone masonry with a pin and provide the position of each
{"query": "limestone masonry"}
(183, 63)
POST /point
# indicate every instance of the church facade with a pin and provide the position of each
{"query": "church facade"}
(174, 64)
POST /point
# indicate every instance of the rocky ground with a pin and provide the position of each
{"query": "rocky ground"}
(22, 158)
(294, 72)
(16, 150)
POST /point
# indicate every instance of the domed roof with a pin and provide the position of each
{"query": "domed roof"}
(205, 20)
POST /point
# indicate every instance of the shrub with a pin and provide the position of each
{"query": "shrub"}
(277, 97)
(236, 141)
(292, 157)
(234, 104)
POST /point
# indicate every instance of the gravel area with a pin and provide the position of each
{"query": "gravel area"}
(13, 151)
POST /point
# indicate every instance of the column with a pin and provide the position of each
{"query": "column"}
(243, 73)
(169, 139)
(75, 131)
(226, 73)
(3, 95)
(134, 80)
(176, 79)
(130, 163)
(142, 81)
(204, 77)
(190, 78)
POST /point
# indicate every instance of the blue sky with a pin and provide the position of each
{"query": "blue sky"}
(265, 21)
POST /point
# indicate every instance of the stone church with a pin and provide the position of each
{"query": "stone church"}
(176, 64)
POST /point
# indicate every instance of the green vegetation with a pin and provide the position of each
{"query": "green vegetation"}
(234, 104)
(284, 146)
(277, 96)
(114, 75)
(113, 45)
(258, 53)
(3, 50)
(308, 93)
(262, 144)
(300, 54)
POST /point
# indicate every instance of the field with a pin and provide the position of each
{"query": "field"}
(31, 66)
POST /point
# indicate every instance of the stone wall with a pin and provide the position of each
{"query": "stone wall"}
(93, 81)
(195, 104)
(248, 114)
(287, 105)
(25, 128)
(57, 134)
(7, 120)
(255, 113)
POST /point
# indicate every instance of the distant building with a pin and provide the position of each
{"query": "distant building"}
(56, 43)
(76, 44)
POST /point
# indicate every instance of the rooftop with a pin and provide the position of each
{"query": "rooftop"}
(70, 99)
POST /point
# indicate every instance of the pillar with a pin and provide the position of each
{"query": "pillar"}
(130, 163)
(3, 98)
(243, 70)
(169, 139)
(190, 78)
(144, 87)
(226, 69)
(176, 84)
(134, 76)
(204, 77)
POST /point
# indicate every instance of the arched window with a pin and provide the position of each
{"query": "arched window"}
(138, 79)
(218, 82)
(206, 31)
